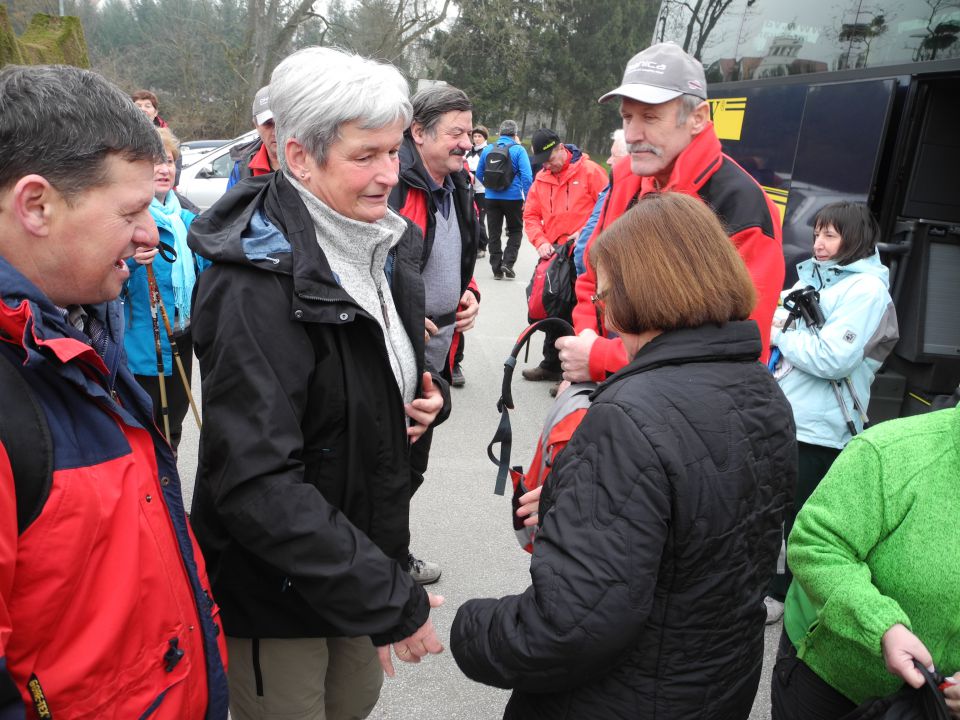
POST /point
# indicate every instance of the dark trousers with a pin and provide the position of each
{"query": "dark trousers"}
(813, 463)
(481, 200)
(177, 400)
(497, 212)
(798, 693)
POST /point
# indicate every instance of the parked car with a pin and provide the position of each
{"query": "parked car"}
(205, 180)
(193, 150)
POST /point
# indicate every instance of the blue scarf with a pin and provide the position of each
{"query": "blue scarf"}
(182, 274)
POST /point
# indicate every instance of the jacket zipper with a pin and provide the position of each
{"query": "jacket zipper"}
(383, 307)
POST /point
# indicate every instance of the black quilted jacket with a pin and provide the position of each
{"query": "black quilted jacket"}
(660, 528)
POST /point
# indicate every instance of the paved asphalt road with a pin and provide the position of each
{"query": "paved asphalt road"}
(458, 522)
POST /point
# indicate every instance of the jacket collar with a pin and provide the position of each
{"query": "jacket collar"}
(30, 321)
(693, 167)
(736, 341)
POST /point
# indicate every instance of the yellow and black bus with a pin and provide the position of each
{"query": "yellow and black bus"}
(827, 100)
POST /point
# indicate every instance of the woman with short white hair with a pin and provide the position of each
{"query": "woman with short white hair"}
(309, 333)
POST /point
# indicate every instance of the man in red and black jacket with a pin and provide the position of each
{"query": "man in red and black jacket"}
(435, 192)
(674, 148)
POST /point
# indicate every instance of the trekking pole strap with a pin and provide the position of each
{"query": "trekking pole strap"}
(504, 436)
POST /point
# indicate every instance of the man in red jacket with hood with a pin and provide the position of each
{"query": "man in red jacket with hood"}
(674, 148)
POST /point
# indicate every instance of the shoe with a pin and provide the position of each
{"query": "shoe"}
(555, 389)
(538, 373)
(456, 377)
(423, 572)
(508, 273)
(481, 253)
(498, 274)
(774, 610)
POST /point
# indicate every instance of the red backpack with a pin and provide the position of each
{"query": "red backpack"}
(563, 419)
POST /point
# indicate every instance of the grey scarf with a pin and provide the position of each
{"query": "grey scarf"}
(357, 252)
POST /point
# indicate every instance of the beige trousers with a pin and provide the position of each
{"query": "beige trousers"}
(303, 678)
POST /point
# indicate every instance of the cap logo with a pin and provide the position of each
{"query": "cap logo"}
(549, 144)
(694, 85)
(647, 66)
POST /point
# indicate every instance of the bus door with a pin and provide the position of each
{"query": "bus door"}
(924, 252)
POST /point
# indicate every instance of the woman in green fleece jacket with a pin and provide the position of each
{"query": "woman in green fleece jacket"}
(876, 582)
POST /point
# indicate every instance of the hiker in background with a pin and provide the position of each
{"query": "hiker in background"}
(479, 137)
(559, 203)
(660, 523)
(259, 156)
(175, 272)
(826, 372)
(875, 585)
(507, 183)
(618, 149)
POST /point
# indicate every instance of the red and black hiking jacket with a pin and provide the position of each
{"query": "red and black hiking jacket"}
(105, 607)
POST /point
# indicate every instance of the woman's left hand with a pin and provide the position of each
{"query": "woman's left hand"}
(423, 411)
(529, 508)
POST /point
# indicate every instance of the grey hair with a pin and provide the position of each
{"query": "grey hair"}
(509, 128)
(315, 91)
(62, 123)
(432, 103)
(688, 103)
(619, 138)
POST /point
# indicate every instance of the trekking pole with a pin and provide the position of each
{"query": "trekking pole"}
(152, 280)
(164, 408)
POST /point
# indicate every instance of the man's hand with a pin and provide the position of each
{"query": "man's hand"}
(545, 250)
(423, 411)
(467, 312)
(900, 648)
(411, 649)
(145, 255)
(575, 355)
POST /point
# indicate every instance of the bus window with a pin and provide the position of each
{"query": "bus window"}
(742, 40)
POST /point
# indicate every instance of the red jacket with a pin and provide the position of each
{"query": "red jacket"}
(753, 221)
(95, 589)
(559, 205)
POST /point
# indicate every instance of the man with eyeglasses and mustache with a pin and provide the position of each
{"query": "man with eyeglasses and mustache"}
(673, 147)
(435, 192)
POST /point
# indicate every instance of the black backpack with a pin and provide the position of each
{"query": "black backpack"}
(26, 438)
(498, 168)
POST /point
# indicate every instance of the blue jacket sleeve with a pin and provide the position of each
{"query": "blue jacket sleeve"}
(234, 175)
(581, 246)
(523, 166)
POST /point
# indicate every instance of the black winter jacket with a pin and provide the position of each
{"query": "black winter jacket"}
(659, 530)
(303, 484)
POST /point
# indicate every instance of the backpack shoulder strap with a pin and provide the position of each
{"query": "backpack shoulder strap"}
(26, 438)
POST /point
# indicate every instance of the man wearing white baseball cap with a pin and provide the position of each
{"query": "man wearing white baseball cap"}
(258, 157)
(673, 148)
